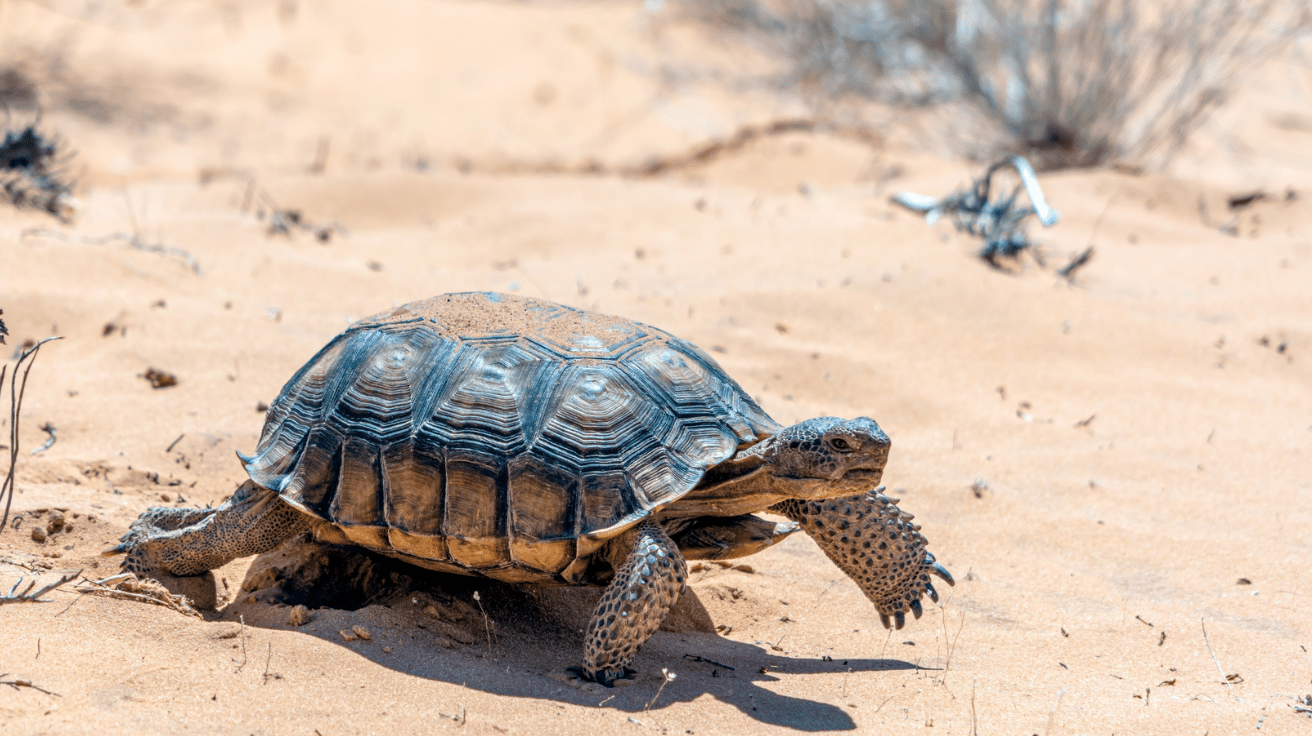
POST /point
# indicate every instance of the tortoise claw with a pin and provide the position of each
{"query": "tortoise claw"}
(916, 610)
(883, 619)
(933, 594)
(942, 572)
(899, 620)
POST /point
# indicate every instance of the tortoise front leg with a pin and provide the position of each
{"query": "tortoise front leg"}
(253, 521)
(875, 543)
(646, 585)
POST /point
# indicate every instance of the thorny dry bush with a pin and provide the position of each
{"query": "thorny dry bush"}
(1067, 83)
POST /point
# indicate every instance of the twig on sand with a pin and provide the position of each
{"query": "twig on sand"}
(242, 634)
(974, 722)
(30, 596)
(132, 240)
(1053, 715)
(666, 678)
(49, 429)
(16, 393)
(17, 683)
(698, 658)
(953, 647)
(1215, 661)
(267, 674)
(1079, 261)
(458, 719)
(174, 443)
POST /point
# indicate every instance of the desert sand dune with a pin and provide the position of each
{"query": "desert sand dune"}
(1108, 465)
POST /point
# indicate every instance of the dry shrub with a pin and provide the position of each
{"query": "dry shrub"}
(1066, 82)
(34, 166)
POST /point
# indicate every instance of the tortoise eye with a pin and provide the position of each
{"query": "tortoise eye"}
(840, 444)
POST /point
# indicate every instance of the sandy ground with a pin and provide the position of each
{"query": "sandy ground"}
(1116, 470)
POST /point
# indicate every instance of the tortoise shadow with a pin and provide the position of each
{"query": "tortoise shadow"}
(520, 641)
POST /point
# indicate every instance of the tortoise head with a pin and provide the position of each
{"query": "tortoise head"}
(837, 453)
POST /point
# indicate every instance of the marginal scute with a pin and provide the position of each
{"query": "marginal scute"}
(499, 435)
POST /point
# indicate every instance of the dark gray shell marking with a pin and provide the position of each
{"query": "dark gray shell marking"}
(498, 434)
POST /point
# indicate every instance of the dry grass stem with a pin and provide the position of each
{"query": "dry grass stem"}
(487, 623)
(666, 678)
(1229, 688)
(16, 392)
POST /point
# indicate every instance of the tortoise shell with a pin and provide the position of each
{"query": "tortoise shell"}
(498, 435)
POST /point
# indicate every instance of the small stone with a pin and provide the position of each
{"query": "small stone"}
(298, 616)
(165, 497)
(38, 534)
(362, 632)
(55, 522)
(387, 650)
(347, 635)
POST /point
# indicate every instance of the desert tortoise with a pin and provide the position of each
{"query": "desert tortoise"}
(530, 442)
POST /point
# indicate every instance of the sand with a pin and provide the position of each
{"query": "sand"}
(1115, 468)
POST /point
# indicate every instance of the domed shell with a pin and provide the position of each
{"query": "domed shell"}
(499, 435)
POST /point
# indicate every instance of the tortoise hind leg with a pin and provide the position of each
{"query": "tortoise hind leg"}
(646, 585)
(253, 521)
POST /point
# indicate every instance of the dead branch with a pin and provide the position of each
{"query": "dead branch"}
(999, 222)
(30, 596)
(16, 392)
(17, 683)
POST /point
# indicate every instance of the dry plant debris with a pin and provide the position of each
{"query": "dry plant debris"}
(34, 596)
(17, 683)
(33, 171)
(16, 391)
(1000, 222)
(129, 587)
(1069, 82)
(132, 240)
(160, 379)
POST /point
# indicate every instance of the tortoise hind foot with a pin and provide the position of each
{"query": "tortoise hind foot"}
(254, 520)
(635, 602)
